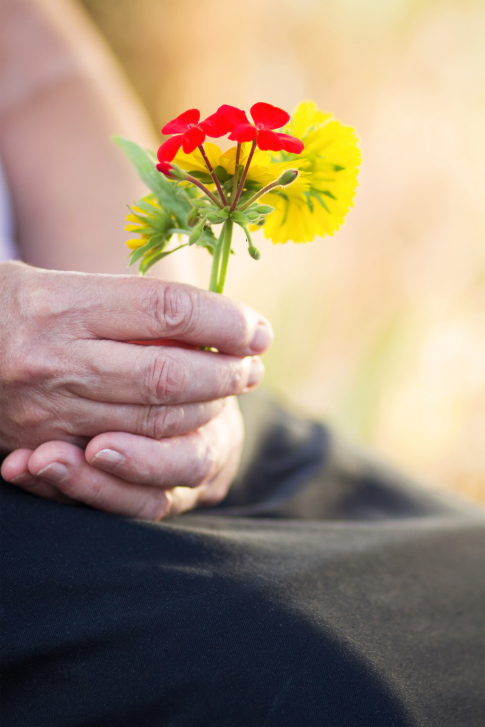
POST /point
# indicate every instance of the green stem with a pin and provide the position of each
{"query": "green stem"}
(215, 261)
(213, 198)
(226, 252)
(236, 173)
(213, 175)
(243, 178)
(259, 194)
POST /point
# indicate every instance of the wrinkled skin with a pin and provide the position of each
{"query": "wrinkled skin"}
(160, 425)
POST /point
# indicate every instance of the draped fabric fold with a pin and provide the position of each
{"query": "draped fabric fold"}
(326, 590)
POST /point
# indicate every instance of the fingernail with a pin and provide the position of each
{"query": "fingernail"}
(263, 336)
(255, 372)
(19, 479)
(107, 458)
(54, 472)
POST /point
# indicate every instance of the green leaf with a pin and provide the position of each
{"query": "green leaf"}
(146, 264)
(196, 232)
(154, 242)
(207, 240)
(262, 209)
(193, 218)
(172, 199)
(217, 218)
(240, 218)
(202, 177)
(202, 204)
(142, 204)
(147, 230)
(308, 196)
(222, 174)
(251, 185)
(320, 200)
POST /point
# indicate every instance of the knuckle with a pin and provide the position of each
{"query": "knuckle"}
(237, 378)
(205, 461)
(176, 309)
(31, 417)
(42, 302)
(164, 421)
(167, 378)
(28, 420)
(156, 507)
(240, 331)
(22, 362)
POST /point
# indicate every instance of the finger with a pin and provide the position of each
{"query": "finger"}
(186, 461)
(15, 469)
(126, 308)
(130, 374)
(116, 497)
(86, 418)
(181, 499)
(64, 466)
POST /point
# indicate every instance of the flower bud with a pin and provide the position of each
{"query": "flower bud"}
(253, 251)
(177, 173)
(196, 233)
(193, 217)
(288, 177)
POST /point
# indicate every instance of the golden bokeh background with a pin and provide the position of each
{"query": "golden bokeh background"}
(380, 330)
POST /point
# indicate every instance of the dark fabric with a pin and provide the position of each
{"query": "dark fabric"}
(326, 591)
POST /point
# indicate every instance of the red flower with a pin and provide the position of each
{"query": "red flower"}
(189, 133)
(266, 118)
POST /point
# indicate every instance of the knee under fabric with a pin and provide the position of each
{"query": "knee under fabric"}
(326, 590)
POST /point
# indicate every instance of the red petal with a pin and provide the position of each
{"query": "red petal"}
(291, 143)
(192, 139)
(215, 125)
(164, 168)
(230, 116)
(169, 148)
(266, 116)
(244, 132)
(268, 141)
(181, 123)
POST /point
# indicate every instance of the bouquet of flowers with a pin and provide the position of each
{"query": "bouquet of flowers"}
(293, 177)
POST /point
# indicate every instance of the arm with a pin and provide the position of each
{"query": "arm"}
(63, 97)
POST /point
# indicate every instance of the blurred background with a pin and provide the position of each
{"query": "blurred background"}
(380, 330)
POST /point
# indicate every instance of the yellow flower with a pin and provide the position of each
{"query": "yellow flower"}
(263, 169)
(316, 204)
(148, 219)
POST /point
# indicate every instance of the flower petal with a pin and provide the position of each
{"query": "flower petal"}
(266, 116)
(181, 123)
(291, 143)
(244, 132)
(192, 139)
(230, 116)
(269, 141)
(215, 125)
(169, 148)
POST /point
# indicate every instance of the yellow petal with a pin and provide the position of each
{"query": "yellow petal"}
(135, 243)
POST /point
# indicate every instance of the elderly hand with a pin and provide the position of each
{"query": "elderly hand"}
(67, 375)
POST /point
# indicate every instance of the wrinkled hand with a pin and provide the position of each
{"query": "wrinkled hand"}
(137, 476)
(67, 376)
